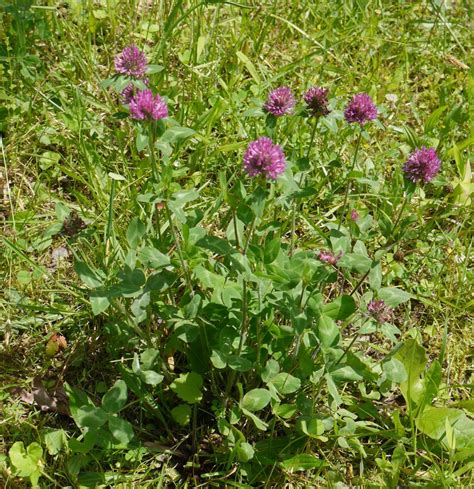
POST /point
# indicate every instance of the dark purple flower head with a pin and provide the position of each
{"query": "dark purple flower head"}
(316, 99)
(130, 90)
(279, 102)
(422, 165)
(360, 109)
(145, 105)
(131, 62)
(264, 158)
(329, 257)
(379, 311)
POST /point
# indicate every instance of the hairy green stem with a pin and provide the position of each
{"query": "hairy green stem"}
(187, 276)
(245, 321)
(151, 144)
(397, 220)
(346, 195)
(243, 332)
(108, 231)
(293, 212)
(234, 219)
(387, 246)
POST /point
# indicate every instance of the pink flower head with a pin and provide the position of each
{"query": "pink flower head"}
(379, 311)
(328, 257)
(422, 165)
(264, 158)
(130, 90)
(360, 109)
(316, 99)
(354, 215)
(279, 102)
(131, 62)
(146, 106)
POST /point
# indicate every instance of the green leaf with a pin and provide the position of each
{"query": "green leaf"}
(209, 279)
(48, 159)
(180, 199)
(116, 397)
(395, 370)
(433, 421)
(239, 363)
(26, 462)
(117, 177)
(99, 304)
(431, 384)
(135, 232)
(250, 66)
(244, 452)
(355, 261)
(139, 307)
(332, 388)
(85, 273)
(154, 69)
(141, 141)
(132, 282)
(55, 441)
(310, 425)
(375, 275)
(286, 383)
(121, 429)
(411, 137)
(100, 14)
(216, 245)
(148, 357)
(176, 133)
(433, 119)
(341, 308)
(285, 411)
(218, 359)
(392, 296)
(88, 442)
(77, 399)
(90, 417)
(187, 332)
(256, 399)
(183, 197)
(270, 370)
(327, 332)
(136, 367)
(261, 425)
(161, 281)
(150, 377)
(301, 462)
(188, 387)
(467, 404)
(182, 414)
(271, 250)
(413, 357)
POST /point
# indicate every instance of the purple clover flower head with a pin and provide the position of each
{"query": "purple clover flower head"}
(130, 90)
(422, 165)
(354, 215)
(328, 257)
(264, 158)
(316, 99)
(280, 102)
(360, 109)
(131, 62)
(379, 311)
(146, 106)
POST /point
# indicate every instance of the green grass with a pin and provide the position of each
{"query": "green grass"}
(63, 131)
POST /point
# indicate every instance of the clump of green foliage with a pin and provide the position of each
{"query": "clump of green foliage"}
(183, 323)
